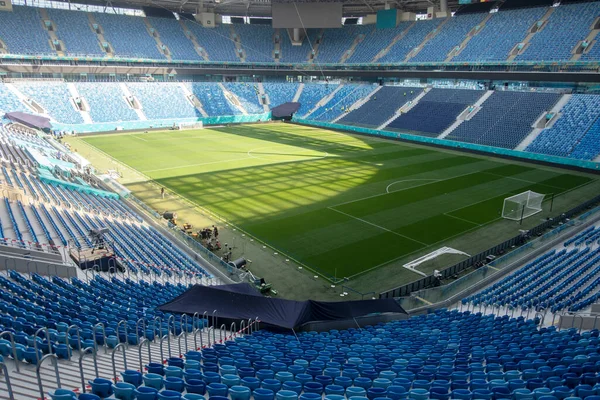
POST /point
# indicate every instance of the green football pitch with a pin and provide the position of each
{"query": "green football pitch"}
(339, 204)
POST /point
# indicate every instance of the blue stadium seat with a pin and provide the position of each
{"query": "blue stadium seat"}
(107, 102)
(74, 29)
(171, 103)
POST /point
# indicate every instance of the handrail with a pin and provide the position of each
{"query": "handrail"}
(137, 329)
(159, 327)
(162, 339)
(8, 385)
(88, 350)
(54, 360)
(124, 322)
(184, 330)
(171, 317)
(35, 337)
(232, 330)
(196, 341)
(103, 335)
(242, 326)
(112, 358)
(195, 317)
(12, 344)
(250, 326)
(182, 334)
(141, 345)
(221, 329)
(215, 318)
(208, 334)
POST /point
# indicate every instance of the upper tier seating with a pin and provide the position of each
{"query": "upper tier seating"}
(257, 41)
(54, 97)
(23, 32)
(107, 102)
(375, 40)
(413, 38)
(279, 93)
(567, 25)
(500, 34)
(436, 111)
(441, 355)
(247, 94)
(578, 115)
(381, 106)
(337, 41)
(558, 280)
(9, 101)
(128, 36)
(450, 35)
(171, 103)
(341, 101)
(296, 54)
(74, 29)
(505, 119)
(213, 99)
(216, 42)
(172, 35)
(311, 95)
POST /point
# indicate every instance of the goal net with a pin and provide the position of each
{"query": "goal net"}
(522, 205)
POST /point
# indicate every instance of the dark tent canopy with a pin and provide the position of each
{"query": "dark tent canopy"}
(285, 110)
(242, 301)
(30, 120)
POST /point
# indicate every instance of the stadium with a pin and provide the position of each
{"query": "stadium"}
(300, 199)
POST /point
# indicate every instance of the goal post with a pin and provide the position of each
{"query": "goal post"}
(522, 205)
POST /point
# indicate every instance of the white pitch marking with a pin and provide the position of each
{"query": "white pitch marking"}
(387, 189)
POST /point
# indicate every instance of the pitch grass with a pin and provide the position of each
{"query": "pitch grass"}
(337, 203)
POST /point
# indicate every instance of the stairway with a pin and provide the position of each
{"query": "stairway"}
(429, 36)
(83, 109)
(164, 50)
(323, 101)
(590, 39)
(400, 36)
(298, 93)
(520, 47)
(314, 53)
(404, 109)
(193, 99)
(50, 27)
(276, 45)
(476, 30)
(262, 97)
(357, 105)
(194, 40)
(33, 106)
(102, 42)
(232, 98)
(137, 105)
(466, 115)
(348, 53)
(235, 38)
(542, 124)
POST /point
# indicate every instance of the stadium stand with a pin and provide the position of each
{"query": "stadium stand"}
(23, 33)
(567, 279)
(54, 97)
(312, 94)
(578, 115)
(280, 93)
(415, 36)
(505, 119)
(296, 54)
(341, 101)
(173, 36)
(336, 42)
(381, 106)
(450, 35)
(107, 102)
(375, 40)
(171, 102)
(247, 93)
(500, 34)
(215, 41)
(257, 42)
(436, 111)
(568, 24)
(128, 36)
(588, 147)
(213, 99)
(73, 28)
(8, 100)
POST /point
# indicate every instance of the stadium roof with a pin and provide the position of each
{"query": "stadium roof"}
(262, 8)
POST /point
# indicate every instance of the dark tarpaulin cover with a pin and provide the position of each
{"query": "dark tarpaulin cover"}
(242, 301)
(285, 110)
(33, 121)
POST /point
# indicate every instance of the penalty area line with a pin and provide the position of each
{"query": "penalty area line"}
(377, 226)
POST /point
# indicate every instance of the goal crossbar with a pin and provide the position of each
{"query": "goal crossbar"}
(522, 205)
